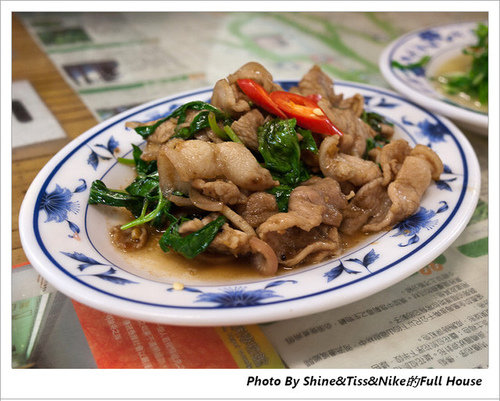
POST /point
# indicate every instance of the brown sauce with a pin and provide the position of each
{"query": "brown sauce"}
(152, 262)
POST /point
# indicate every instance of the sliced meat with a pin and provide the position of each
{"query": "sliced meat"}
(350, 125)
(431, 157)
(256, 72)
(295, 246)
(391, 158)
(220, 190)
(370, 201)
(325, 245)
(229, 99)
(258, 208)
(343, 167)
(246, 128)
(193, 159)
(227, 95)
(380, 204)
(240, 244)
(162, 133)
(316, 82)
(150, 152)
(308, 207)
(313, 209)
(405, 193)
(169, 178)
(330, 196)
(356, 103)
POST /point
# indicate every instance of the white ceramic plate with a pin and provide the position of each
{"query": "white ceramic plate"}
(67, 241)
(441, 43)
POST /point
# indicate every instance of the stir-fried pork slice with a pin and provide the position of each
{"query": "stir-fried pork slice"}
(258, 208)
(386, 130)
(350, 125)
(325, 245)
(231, 241)
(240, 244)
(229, 99)
(343, 167)
(162, 133)
(431, 157)
(239, 165)
(150, 151)
(405, 192)
(312, 208)
(168, 175)
(246, 128)
(256, 72)
(228, 96)
(356, 103)
(308, 207)
(294, 246)
(193, 159)
(316, 82)
(349, 168)
(331, 196)
(370, 201)
(375, 206)
(220, 190)
(391, 158)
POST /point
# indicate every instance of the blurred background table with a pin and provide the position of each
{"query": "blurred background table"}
(86, 67)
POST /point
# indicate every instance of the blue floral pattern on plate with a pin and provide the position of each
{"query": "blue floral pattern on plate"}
(81, 261)
(238, 296)
(57, 204)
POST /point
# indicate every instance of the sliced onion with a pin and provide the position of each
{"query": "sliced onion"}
(203, 202)
(238, 221)
(309, 249)
(180, 200)
(265, 257)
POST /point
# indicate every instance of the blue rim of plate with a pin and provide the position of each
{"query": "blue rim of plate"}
(220, 314)
(433, 41)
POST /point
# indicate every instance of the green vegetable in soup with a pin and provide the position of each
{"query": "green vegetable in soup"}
(473, 82)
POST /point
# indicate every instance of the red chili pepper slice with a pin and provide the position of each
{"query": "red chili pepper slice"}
(260, 96)
(306, 111)
(316, 97)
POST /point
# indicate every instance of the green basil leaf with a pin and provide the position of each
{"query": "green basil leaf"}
(280, 149)
(181, 114)
(194, 243)
(282, 194)
(101, 194)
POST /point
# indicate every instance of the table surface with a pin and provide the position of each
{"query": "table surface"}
(30, 62)
(78, 109)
